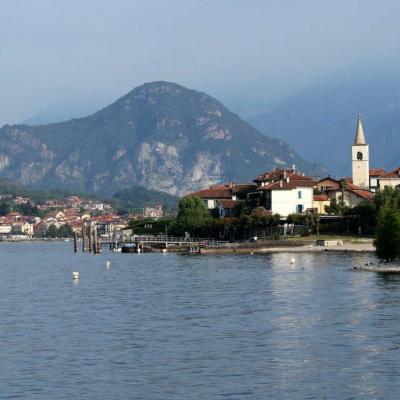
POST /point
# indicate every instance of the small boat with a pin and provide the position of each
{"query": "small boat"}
(129, 248)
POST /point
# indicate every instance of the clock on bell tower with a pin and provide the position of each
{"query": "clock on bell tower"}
(360, 158)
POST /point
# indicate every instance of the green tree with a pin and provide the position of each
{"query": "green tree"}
(193, 217)
(387, 196)
(5, 208)
(387, 240)
(65, 231)
(295, 218)
(52, 231)
(312, 219)
(342, 205)
(366, 214)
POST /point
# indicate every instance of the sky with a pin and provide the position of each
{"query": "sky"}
(80, 55)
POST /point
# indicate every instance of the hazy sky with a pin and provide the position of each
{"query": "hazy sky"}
(247, 53)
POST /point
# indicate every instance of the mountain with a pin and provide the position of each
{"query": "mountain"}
(159, 136)
(320, 121)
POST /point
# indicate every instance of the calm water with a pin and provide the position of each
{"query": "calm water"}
(169, 326)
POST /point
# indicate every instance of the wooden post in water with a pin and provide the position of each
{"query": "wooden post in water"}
(83, 237)
(90, 237)
(95, 244)
(75, 243)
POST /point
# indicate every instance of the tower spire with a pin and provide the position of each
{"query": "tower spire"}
(360, 138)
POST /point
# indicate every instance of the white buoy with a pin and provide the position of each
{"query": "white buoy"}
(75, 276)
(251, 253)
(107, 264)
(292, 261)
(164, 251)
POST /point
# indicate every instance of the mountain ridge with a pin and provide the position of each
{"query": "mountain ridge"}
(159, 135)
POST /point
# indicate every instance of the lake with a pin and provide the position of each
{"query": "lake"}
(172, 326)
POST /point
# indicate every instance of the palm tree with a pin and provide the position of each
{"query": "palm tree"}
(343, 185)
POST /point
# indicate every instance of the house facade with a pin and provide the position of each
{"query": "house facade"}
(285, 191)
(335, 190)
(390, 179)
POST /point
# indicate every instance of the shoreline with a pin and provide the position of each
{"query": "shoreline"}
(308, 248)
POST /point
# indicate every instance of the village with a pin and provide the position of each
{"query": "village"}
(287, 192)
(62, 218)
(283, 193)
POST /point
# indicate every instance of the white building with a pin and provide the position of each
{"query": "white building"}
(390, 179)
(285, 191)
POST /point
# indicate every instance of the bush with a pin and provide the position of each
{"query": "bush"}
(387, 240)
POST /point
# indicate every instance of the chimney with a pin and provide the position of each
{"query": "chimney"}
(287, 179)
(281, 183)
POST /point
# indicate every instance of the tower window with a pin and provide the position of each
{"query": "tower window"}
(359, 156)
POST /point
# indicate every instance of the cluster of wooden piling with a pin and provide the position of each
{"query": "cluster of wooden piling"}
(90, 239)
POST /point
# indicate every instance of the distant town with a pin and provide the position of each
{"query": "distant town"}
(25, 218)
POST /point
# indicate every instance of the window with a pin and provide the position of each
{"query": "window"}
(299, 208)
(299, 194)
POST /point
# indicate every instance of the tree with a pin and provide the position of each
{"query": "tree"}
(312, 219)
(52, 231)
(387, 196)
(193, 216)
(343, 185)
(387, 240)
(262, 220)
(333, 208)
(65, 231)
(367, 213)
(296, 219)
(5, 208)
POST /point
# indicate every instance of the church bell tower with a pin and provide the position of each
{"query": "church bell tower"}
(360, 158)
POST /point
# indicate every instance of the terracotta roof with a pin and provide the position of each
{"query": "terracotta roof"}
(278, 174)
(392, 174)
(365, 194)
(214, 193)
(285, 185)
(321, 197)
(357, 190)
(376, 172)
(224, 191)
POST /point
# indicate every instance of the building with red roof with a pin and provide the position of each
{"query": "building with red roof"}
(285, 191)
(390, 179)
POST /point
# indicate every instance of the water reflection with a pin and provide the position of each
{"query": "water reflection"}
(168, 326)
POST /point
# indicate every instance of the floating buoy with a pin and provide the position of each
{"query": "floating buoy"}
(107, 264)
(292, 261)
(251, 253)
(75, 276)
(164, 251)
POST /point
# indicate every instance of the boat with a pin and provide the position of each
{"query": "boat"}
(129, 248)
